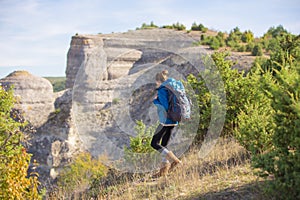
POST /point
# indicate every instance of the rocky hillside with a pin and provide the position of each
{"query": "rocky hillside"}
(110, 81)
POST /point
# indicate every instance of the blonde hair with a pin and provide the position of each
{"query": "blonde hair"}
(162, 76)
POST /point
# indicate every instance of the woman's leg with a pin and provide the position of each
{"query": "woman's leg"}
(166, 137)
(159, 134)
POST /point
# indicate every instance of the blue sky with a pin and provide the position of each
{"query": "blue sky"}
(35, 34)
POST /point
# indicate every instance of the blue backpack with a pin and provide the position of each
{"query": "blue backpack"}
(179, 105)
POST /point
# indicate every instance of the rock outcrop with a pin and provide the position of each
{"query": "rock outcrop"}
(55, 140)
(122, 50)
(35, 95)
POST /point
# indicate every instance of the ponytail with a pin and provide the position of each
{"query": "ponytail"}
(162, 76)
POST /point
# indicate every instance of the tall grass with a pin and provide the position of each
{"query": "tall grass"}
(224, 174)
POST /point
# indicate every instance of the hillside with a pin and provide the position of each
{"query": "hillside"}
(224, 174)
(58, 83)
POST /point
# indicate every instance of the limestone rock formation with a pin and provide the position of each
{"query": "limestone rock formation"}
(56, 141)
(122, 50)
(35, 95)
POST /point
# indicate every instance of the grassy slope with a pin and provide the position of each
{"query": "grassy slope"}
(224, 174)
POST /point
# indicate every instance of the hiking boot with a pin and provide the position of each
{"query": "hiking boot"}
(173, 165)
(172, 158)
(165, 166)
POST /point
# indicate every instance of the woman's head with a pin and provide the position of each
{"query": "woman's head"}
(161, 76)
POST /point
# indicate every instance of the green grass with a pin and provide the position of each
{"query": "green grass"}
(58, 83)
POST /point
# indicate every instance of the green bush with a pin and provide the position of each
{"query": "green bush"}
(199, 27)
(80, 174)
(275, 32)
(237, 88)
(257, 50)
(142, 142)
(241, 48)
(273, 44)
(268, 126)
(140, 152)
(148, 26)
(214, 42)
(250, 46)
(247, 36)
(14, 160)
(177, 26)
(282, 160)
(255, 119)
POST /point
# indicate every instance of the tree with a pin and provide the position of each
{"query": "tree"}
(237, 87)
(257, 50)
(247, 36)
(148, 26)
(14, 160)
(200, 27)
(269, 125)
(275, 31)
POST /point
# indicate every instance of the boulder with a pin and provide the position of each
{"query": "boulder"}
(34, 96)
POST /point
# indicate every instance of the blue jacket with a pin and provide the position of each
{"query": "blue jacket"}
(162, 103)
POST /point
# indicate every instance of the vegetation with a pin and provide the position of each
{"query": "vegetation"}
(269, 128)
(196, 179)
(148, 26)
(58, 83)
(200, 27)
(244, 41)
(14, 160)
(262, 109)
(140, 153)
(238, 87)
(84, 172)
(142, 142)
(178, 26)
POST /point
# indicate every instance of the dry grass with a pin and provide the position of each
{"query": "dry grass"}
(224, 174)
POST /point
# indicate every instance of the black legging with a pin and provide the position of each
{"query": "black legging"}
(162, 133)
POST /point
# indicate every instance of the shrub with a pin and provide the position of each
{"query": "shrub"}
(237, 88)
(257, 50)
(148, 26)
(250, 46)
(269, 123)
(276, 31)
(140, 152)
(241, 48)
(199, 27)
(273, 45)
(14, 160)
(247, 36)
(80, 174)
(255, 119)
(142, 142)
(176, 26)
(214, 42)
(283, 159)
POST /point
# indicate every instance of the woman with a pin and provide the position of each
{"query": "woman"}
(163, 132)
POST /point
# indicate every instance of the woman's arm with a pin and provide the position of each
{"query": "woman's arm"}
(162, 96)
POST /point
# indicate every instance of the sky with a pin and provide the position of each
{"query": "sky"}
(35, 35)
